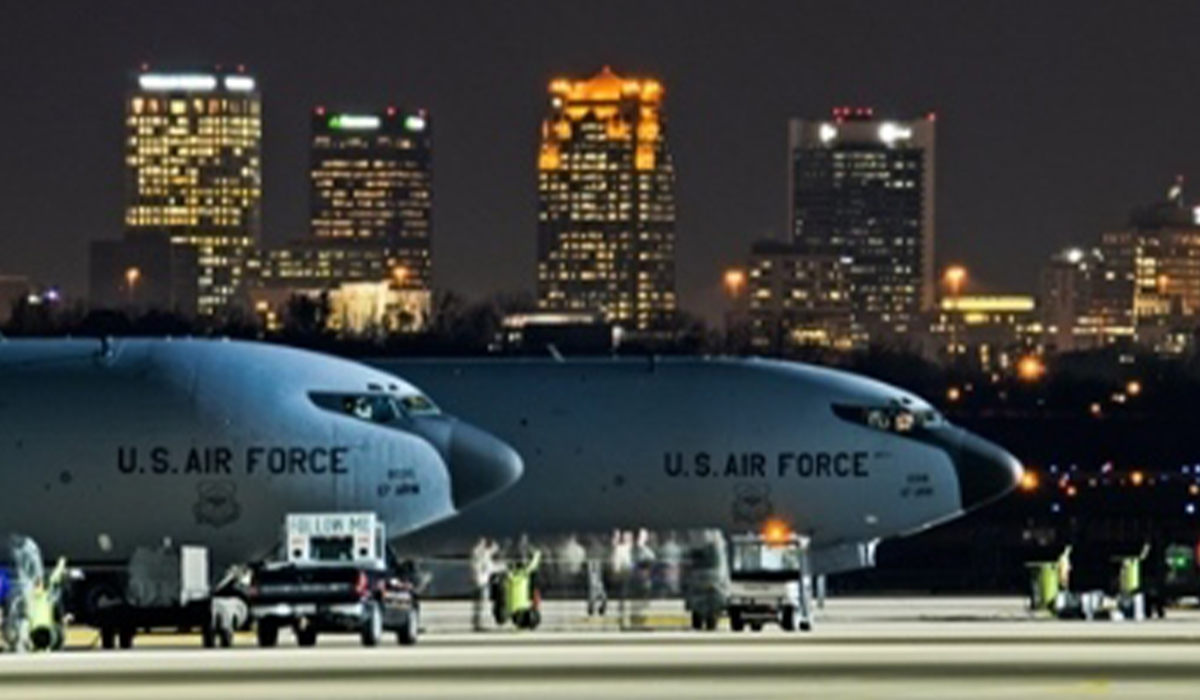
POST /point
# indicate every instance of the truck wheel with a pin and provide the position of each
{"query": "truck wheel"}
(108, 638)
(125, 637)
(408, 632)
(306, 637)
(710, 622)
(736, 623)
(756, 626)
(268, 634)
(372, 625)
(787, 619)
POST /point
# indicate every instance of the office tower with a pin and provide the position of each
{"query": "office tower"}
(372, 186)
(862, 191)
(606, 195)
(194, 175)
(1078, 308)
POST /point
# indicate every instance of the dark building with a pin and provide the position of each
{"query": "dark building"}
(368, 290)
(144, 271)
(12, 289)
(862, 191)
(606, 203)
(194, 175)
(796, 299)
(372, 186)
(561, 334)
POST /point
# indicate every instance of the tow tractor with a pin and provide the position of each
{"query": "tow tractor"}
(768, 581)
(335, 577)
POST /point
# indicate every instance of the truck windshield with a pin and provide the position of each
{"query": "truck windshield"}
(756, 558)
(332, 548)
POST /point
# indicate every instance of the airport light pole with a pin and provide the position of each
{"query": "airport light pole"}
(955, 278)
(132, 276)
(734, 281)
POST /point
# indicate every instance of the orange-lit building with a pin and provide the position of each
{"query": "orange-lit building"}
(606, 192)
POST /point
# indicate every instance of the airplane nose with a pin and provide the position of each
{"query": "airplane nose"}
(480, 465)
(985, 470)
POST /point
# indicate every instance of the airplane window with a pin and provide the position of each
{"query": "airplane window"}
(418, 405)
(375, 408)
(893, 419)
(929, 419)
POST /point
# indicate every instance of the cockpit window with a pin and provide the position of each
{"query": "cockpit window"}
(418, 405)
(374, 408)
(893, 419)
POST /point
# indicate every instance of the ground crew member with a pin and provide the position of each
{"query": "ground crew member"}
(519, 591)
(597, 598)
(482, 567)
(1064, 569)
(622, 566)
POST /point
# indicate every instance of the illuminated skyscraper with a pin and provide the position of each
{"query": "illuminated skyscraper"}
(372, 186)
(606, 216)
(862, 190)
(194, 173)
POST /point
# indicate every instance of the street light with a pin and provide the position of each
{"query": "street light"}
(1030, 369)
(132, 275)
(400, 274)
(735, 279)
(955, 277)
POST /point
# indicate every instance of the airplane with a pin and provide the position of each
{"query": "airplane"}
(721, 443)
(108, 445)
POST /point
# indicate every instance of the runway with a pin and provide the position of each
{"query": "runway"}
(908, 652)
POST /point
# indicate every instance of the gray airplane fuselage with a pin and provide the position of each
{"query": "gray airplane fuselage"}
(708, 443)
(107, 447)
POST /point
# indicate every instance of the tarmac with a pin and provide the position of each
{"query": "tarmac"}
(875, 648)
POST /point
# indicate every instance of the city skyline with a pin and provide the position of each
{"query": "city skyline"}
(1002, 209)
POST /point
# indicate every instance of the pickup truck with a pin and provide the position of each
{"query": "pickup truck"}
(312, 599)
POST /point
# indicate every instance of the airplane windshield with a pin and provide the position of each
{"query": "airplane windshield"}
(418, 405)
(894, 419)
(374, 408)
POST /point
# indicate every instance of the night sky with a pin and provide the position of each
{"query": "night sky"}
(1054, 118)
